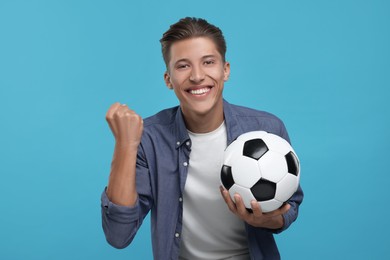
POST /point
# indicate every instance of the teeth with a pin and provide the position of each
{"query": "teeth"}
(199, 91)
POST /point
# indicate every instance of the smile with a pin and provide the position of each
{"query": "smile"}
(199, 91)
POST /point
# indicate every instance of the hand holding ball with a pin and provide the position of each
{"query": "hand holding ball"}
(261, 166)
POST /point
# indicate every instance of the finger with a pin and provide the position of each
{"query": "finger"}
(110, 117)
(222, 189)
(228, 199)
(112, 110)
(256, 209)
(136, 120)
(123, 110)
(241, 209)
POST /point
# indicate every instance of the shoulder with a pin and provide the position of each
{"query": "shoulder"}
(246, 113)
(249, 119)
(163, 118)
(159, 131)
(163, 127)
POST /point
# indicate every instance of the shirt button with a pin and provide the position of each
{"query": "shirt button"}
(188, 143)
(178, 143)
(180, 199)
(177, 234)
(185, 164)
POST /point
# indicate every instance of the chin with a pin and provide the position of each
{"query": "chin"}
(206, 108)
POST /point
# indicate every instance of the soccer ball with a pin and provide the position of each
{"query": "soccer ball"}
(261, 166)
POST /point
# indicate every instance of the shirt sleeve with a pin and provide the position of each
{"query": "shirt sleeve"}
(290, 216)
(121, 223)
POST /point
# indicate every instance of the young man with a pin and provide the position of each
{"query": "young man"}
(170, 163)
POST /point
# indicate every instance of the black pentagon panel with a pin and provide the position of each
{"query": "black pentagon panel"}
(264, 190)
(292, 163)
(255, 148)
(227, 177)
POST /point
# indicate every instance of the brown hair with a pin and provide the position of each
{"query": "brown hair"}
(191, 27)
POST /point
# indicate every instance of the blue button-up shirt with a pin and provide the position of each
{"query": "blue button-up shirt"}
(163, 157)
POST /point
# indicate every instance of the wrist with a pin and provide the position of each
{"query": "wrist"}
(126, 147)
(276, 222)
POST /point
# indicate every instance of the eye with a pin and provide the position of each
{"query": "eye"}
(182, 66)
(209, 62)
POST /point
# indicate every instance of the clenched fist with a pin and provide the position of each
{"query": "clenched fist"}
(126, 125)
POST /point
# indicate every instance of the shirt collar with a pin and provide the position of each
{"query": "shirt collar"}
(181, 130)
(232, 127)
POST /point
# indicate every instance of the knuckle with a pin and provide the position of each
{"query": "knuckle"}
(232, 208)
(109, 118)
(115, 115)
(137, 118)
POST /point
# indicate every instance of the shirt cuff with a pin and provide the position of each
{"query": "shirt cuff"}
(118, 213)
(288, 219)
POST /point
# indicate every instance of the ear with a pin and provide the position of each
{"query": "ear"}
(226, 71)
(167, 79)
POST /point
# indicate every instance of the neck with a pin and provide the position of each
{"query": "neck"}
(204, 123)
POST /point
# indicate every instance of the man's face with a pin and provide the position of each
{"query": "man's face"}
(197, 73)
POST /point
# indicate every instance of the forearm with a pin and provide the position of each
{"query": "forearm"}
(121, 188)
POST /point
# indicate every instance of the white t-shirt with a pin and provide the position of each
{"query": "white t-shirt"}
(210, 230)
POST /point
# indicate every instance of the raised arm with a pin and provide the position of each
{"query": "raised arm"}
(127, 128)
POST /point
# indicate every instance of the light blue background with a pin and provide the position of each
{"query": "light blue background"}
(323, 67)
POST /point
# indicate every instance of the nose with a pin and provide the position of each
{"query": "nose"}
(197, 74)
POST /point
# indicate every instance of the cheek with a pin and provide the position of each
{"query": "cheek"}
(178, 78)
(217, 75)
(175, 82)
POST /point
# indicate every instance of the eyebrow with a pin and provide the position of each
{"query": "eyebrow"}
(204, 57)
